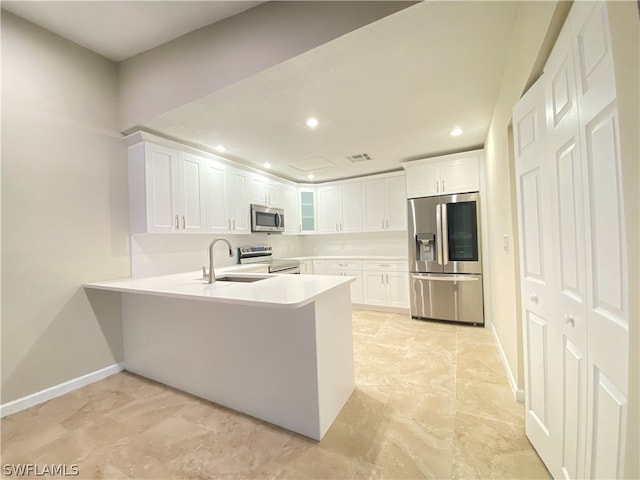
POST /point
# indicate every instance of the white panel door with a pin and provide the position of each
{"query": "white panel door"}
(351, 207)
(423, 180)
(397, 294)
(374, 288)
(329, 208)
(541, 352)
(191, 193)
(562, 148)
(459, 176)
(160, 172)
(215, 188)
(237, 204)
(396, 203)
(607, 311)
(375, 205)
(288, 201)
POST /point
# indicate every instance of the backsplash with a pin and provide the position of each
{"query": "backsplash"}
(162, 254)
(361, 244)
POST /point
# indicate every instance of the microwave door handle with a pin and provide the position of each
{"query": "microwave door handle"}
(277, 220)
(445, 234)
(438, 234)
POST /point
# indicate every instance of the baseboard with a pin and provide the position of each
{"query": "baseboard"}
(379, 308)
(57, 390)
(518, 393)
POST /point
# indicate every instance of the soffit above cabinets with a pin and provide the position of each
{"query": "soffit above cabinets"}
(393, 89)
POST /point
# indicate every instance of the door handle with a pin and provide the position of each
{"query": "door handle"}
(445, 235)
(439, 234)
(569, 320)
(177, 223)
(184, 223)
(534, 298)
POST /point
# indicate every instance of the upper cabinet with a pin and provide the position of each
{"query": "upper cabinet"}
(166, 189)
(385, 204)
(307, 209)
(288, 198)
(457, 173)
(340, 208)
(264, 191)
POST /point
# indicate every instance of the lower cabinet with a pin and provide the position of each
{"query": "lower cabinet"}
(388, 289)
(306, 267)
(352, 268)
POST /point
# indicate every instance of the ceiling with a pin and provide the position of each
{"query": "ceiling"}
(393, 89)
(121, 29)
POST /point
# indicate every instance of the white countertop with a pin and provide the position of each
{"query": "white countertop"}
(373, 258)
(288, 291)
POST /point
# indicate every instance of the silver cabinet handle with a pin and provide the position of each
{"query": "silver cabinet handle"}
(383, 224)
(445, 235)
(387, 224)
(300, 227)
(177, 223)
(533, 297)
(337, 228)
(341, 227)
(343, 264)
(442, 186)
(385, 265)
(386, 275)
(229, 224)
(569, 320)
(234, 224)
(382, 277)
(184, 222)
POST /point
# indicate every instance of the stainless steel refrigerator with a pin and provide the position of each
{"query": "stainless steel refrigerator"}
(445, 258)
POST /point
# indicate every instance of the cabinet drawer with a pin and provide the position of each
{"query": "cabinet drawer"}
(387, 266)
(342, 265)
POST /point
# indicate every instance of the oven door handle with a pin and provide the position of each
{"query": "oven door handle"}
(447, 278)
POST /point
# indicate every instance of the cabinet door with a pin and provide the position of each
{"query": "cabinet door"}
(329, 208)
(375, 205)
(307, 211)
(459, 176)
(257, 190)
(272, 191)
(423, 180)
(306, 267)
(162, 199)
(238, 207)
(397, 289)
(191, 193)
(216, 205)
(396, 203)
(356, 287)
(288, 202)
(351, 207)
(374, 288)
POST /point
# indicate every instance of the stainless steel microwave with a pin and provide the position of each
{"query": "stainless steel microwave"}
(266, 219)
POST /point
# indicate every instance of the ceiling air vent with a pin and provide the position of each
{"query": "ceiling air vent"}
(361, 157)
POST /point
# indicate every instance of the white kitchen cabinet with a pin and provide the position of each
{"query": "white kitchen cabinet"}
(166, 190)
(307, 210)
(448, 174)
(264, 191)
(386, 284)
(340, 208)
(385, 204)
(319, 267)
(237, 204)
(288, 197)
(351, 268)
(306, 267)
(226, 207)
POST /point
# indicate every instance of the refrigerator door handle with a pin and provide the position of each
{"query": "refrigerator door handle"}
(445, 235)
(438, 234)
(446, 278)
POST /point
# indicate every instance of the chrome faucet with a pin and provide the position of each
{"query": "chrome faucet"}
(211, 276)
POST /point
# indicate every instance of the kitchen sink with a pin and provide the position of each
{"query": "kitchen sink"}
(235, 278)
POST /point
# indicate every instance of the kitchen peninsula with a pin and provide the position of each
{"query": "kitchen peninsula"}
(279, 348)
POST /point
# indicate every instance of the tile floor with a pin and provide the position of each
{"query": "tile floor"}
(431, 401)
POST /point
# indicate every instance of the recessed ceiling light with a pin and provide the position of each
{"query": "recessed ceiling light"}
(220, 148)
(311, 176)
(267, 165)
(312, 122)
(456, 132)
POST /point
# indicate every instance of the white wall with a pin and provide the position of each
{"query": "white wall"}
(536, 26)
(214, 57)
(64, 209)
(162, 254)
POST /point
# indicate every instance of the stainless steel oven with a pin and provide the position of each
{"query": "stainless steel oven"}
(264, 254)
(266, 219)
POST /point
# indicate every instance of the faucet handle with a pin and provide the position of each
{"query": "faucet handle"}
(205, 275)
